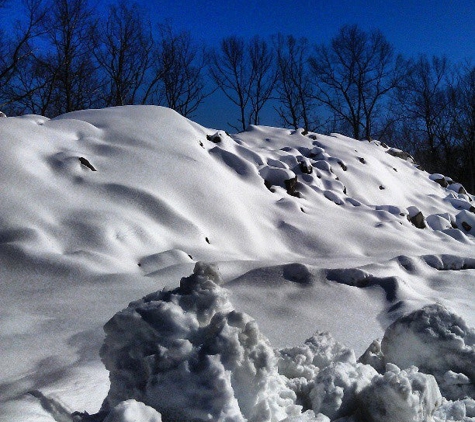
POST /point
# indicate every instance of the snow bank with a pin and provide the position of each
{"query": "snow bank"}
(119, 202)
(189, 355)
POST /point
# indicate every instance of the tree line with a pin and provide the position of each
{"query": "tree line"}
(64, 56)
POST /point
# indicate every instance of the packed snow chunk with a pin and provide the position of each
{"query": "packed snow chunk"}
(400, 396)
(302, 364)
(349, 276)
(308, 416)
(133, 411)
(298, 273)
(318, 352)
(276, 176)
(189, 355)
(337, 388)
(457, 411)
(457, 187)
(448, 262)
(451, 411)
(440, 221)
(434, 339)
(374, 356)
(456, 385)
(440, 179)
(403, 155)
(161, 260)
(217, 137)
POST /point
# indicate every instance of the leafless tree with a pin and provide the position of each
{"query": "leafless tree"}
(67, 70)
(230, 71)
(180, 66)
(263, 76)
(245, 73)
(353, 76)
(17, 51)
(124, 54)
(425, 106)
(294, 86)
(465, 124)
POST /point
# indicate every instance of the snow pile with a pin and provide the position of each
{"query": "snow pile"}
(190, 356)
(143, 180)
(400, 395)
(439, 343)
(312, 232)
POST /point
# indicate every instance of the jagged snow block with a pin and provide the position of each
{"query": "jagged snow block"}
(400, 396)
(318, 352)
(190, 356)
(338, 386)
(460, 410)
(436, 341)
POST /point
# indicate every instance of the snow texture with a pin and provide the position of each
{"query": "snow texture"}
(188, 354)
(314, 234)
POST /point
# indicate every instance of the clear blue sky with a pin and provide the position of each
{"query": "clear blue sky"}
(433, 27)
(425, 26)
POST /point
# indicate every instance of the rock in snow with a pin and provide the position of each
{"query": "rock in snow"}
(187, 355)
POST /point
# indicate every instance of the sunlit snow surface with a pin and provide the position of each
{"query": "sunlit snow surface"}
(102, 207)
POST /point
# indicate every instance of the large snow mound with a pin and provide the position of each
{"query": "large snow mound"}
(188, 354)
(105, 189)
(313, 234)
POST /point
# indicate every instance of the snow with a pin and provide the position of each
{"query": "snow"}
(317, 257)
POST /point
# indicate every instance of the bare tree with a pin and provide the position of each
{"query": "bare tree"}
(181, 65)
(263, 76)
(244, 72)
(425, 105)
(16, 52)
(68, 72)
(353, 75)
(124, 53)
(230, 71)
(294, 86)
(465, 124)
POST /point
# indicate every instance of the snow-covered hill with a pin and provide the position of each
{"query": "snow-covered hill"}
(310, 233)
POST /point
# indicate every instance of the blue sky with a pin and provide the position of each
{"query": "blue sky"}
(433, 27)
(424, 26)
